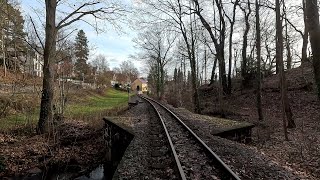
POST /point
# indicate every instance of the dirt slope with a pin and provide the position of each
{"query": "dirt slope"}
(302, 151)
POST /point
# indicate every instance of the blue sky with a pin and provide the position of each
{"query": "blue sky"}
(115, 45)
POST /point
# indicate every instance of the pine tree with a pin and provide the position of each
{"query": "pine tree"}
(82, 53)
(12, 34)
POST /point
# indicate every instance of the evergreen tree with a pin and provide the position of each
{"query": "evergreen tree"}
(11, 34)
(82, 53)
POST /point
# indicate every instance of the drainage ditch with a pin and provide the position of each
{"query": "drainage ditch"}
(116, 140)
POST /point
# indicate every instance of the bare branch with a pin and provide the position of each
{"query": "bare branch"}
(35, 29)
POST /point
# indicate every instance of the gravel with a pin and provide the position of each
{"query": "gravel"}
(134, 163)
(244, 160)
(196, 164)
(140, 159)
(161, 161)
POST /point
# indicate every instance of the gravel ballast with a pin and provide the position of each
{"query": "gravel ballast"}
(246, 161)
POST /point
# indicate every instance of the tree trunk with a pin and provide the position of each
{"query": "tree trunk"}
(220, 47)
(235, 64)
(232, 21)
(213, 72)
(162, 80)
(291, 123)
(314, 32)
(195, 90)
(222, 69)
(304, 57)
(46, 113)
(289, 57)
(190, 49)
(205, 65)
(244, 69)
(279, 56)
(158, 80)
(194, 76)
(220, 97)
(244, 64)
(3, 53)
(286, 110)
(230, 66)
(258, 45)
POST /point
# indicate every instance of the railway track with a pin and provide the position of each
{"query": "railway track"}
(161, 161)
(193, 159)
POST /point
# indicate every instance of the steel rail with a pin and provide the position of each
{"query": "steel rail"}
(216, 157)
(181, 172)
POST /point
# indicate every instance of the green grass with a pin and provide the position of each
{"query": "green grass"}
(12, 121)
(98, 103)
(86, 105)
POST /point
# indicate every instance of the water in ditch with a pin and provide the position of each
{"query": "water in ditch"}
(101, 172)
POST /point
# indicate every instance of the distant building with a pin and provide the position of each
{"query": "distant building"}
(140, 85)
(34, 64)
(114, 80)
(38, 65)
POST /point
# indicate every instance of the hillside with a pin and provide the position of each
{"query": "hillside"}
(18, 78)
(301, 152)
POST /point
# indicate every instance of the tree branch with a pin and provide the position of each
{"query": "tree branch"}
(34, 27)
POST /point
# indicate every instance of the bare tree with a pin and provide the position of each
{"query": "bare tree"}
(96, 9)
(175, 15)
(244, 66)
(100, 63)
(279, 56)
(287, 38)
(219, 42)
(305, 35)
(286, 110)
(258, 46)
(128, 69)
(314, 32)
(156, 44)
(231, 21)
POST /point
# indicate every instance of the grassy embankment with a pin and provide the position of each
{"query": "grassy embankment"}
(85, 105)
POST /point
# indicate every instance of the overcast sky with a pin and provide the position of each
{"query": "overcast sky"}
(115, 45)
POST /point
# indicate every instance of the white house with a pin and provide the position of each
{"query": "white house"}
(34, 64)
(38, 65)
